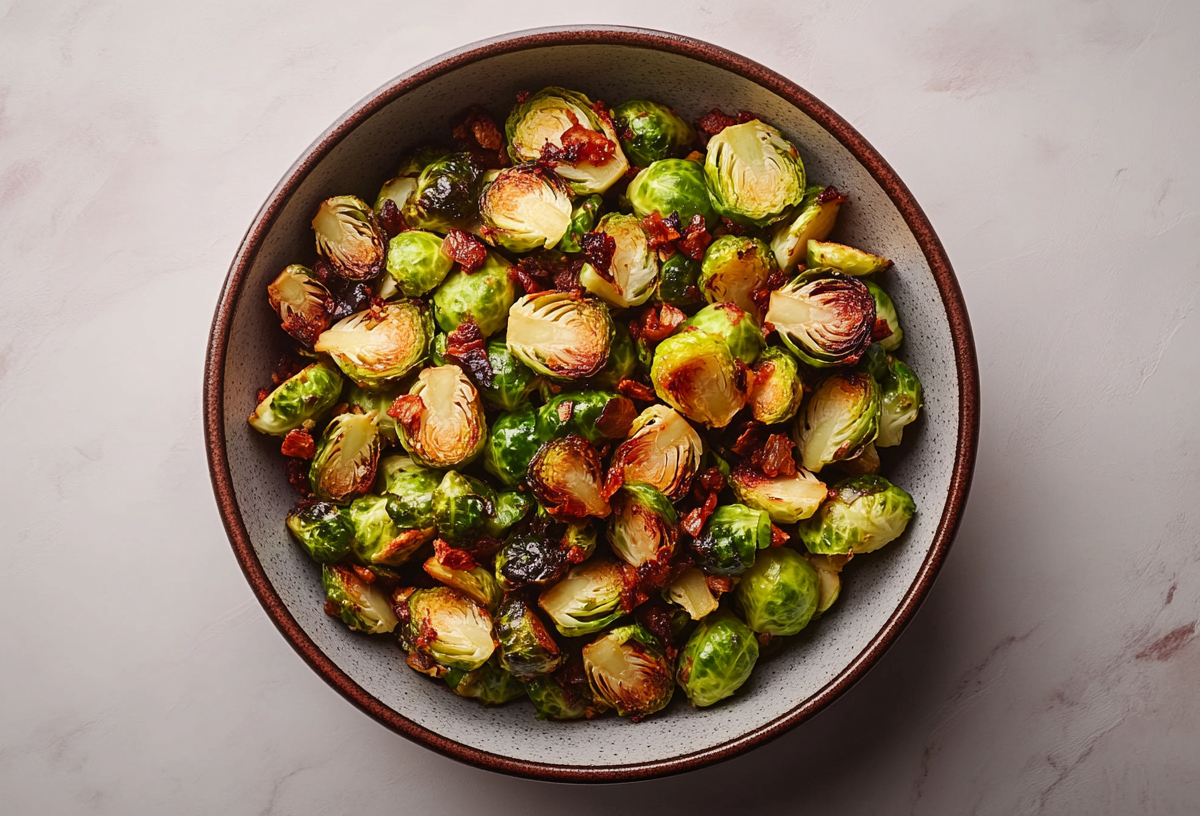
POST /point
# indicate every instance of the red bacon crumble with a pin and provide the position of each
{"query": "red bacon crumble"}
(598, 250)
(407, 410)
(774, 458)
(705, 491)
(656, 324)
(661, 231)
(452, 557)
(391, 220)
(778, 537)
(299, 443)
(695, 238)
(831, 194)
(636, 390)
(714, 122)
(479, 135)
(465, 249)
(761, 297)
(297, 474)
(465, 347)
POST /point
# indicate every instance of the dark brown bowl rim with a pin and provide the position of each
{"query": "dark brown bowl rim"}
(914, 217)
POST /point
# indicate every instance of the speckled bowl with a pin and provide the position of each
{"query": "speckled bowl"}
(883, 591)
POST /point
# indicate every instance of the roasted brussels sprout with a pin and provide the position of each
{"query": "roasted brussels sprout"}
(630, 278)
(514, 440)
(754, 174)
(305, 397)
(731, 323)
(900, 401)
(346, 458)
(829, 578)
(397, 190)
(627, 669)
(529, 560)
(730, 539)
(696, 374)
(490, 684)
(462, 506)
(361, 606)
(450, 628)
(445, 195)
(672, 186)
(662, 450)
(597, 416)
(734, 266)
(887, 322)
(409, 490)
(622, 359)
(651, 132)
(362, 400)
(526, 648)
(476, 583)
(717, 659)
(786, 499)
(484, 296)
(824, 317)
(812, 220)
(690, 591)
(579, 541)
(322, 530)
(416, 263)
(378, 540)
(555, 117)
(560, 334)
(841, 418)
(512, 381)
(442, 423)
(567, 477)
(679, 281)
(380, 345)
(302, 303)
(349, 238)
(524, 208)
(583, 220)
(779, 594)
(778, 390)
(864, 513)
(845, 259)
(554, 701)
(643, 525)
(587, 600)
(511, 507)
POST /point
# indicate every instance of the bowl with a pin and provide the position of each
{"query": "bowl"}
(883, 592)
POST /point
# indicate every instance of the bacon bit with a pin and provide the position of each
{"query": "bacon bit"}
(565, 409)
(478, 135)
(297, 475)
(882, 330)
(617, 418)
(830, 195)
(566, 279)
(767, 329)
(363, 573)
(656, 324)
(407, 410)
(262, 394)
(391, 220)
(306, 329)
(662, 231)
(423, 663)
(300, 444)
(348, 296)
(695, 238)
(632, 595)
(465, 347)
(714, 122)
(719, 584)
(598, 250)
(601, 110)
(465, 249)
(778, 537)
(707, 488)
(761, 297)
(751, 438)
(710, 480)
(582, 146)
(695, 520)
(331, 609)
(657, 618)
(745, 116)
(289, 366)
(452, 557)
(733, 227)
(775, 457)
(523, 96)
(631, 173)
(636, 390)
(546, 270)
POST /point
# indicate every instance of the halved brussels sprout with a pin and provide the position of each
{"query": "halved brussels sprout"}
(397, 190)
(560, 334)
(627, 669)
(679, 281)
(865, 513)
(622, 359)
(544, 118)
(901, 398)
(361, 606)
(731, 323)
(587, 600)
(416, 263)
(553, 701)
(841, 418)
(305, 397)
(346, 458)
(445, 195)
(717, 659)
(786, 499)
(526, 648)
(380, 345)
(633, 272)
(301, 301)
(662, 450)
(692, 592)
(829, 578)
(583, 220)
(490, 684)
(651, 132)
(597, 416)
(450, 628)
(824, 317)
(529, 560)
(696, 374)
(730, 539)
(733, 267)
(322, 530)
(845, 259)
(567, 477)
(779, 594)
(887, 322)
(672, 186)
(754, 174)
(525, 208)
(643, 526)
(348, 237)
(484, 296)
(450, 428)
(462, 506)
(378, 540)
(511, 445)
(476, 583)
(365, 401)
(778, 389)
(812, 220)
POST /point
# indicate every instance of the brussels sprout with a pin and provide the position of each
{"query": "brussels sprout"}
(511, 507)
(378, 541)
(778, 390)
(512, 381)
(672, 186)
(679, 281)
(829, 578)
(305, 397)
(397, 190)
(322, 530)
(366, 401)
(361, 606)
(812, 220)
(864, 513)
(526, 648)
(786, 499)
(490, 684)
(627, 669)
(349, 238)
(841, 418)
(650, 132)
(824, 317)
(583, 221)
(845, 259)
(346, 458)
(567, 477)
(733, 267)
(449, 429)
(730, 538)
(416, 263)
(529, 560)
(754, 174)
(630, 278)
(662, 450)
(462, 506)
(476, 583)
(553, 701)
(734, 325)
(544, 118)
(696, 374)
(484, 296)
(643, 525)
(450, 628)
(301, 301)
(514, 440)
(779, 594)
(622, 359)
(579, 541)
(445, 195)
(900, 401)
(560, 334)
(525, 208)
(379, 345)
(692, 592)
(409, 489)
(885, 314)
(587, 600)
(397, 466)
(717, 659)
(597, 416)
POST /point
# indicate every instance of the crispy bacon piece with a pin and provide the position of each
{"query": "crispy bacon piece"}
(775, 457)
(632, 593)
(762, 296)
(719, 584)
(579, 145)
(750, 438)
(778, 537)
(636, 390)
(656, 323)
(262, 394)
(598, 250)
(297, 474)
(695, 238)
(831, 194)
(391, 220)
(299, 443)
(733, 227)
(331, 609)
(363, 573)
(464, 248)
(452, 557)
(662, 231)
(465, 347)
(289, 366)
(479, 135)
(696, 518)
(714, 122)
(705, 491)
(657, 618)
(541, 271)
(407, 410)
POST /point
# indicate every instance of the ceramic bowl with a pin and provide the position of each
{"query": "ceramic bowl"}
(614, 64)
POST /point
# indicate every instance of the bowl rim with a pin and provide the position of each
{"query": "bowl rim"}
(931, 246)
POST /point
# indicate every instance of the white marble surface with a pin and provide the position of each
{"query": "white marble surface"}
(1052, 670)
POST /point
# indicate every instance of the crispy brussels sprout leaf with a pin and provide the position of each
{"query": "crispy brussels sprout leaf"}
(627, 669)
(786, 499)
(416, 263)
(865, 513)
(901, 398)
(348, 237)
(671, 186)
(380, 345)
(734, 267)
(696, 374)
(476, 583)
(587, 600)
(305, 397)
(442, 422)
(346, 458)
(692, 592)
(888, 332)
(560, 335)
(525, 208)
(361, 606)
(845, 259)
(825, 318)
(484, 296)
(779, 594)
(633, 273)
(840, 420)
(322, 530)
(754, 174)
(717, 659)
(812, 220)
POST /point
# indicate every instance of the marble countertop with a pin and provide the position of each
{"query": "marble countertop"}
(1053, 668)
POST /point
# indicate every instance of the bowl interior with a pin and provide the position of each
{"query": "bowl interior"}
(875, 585)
